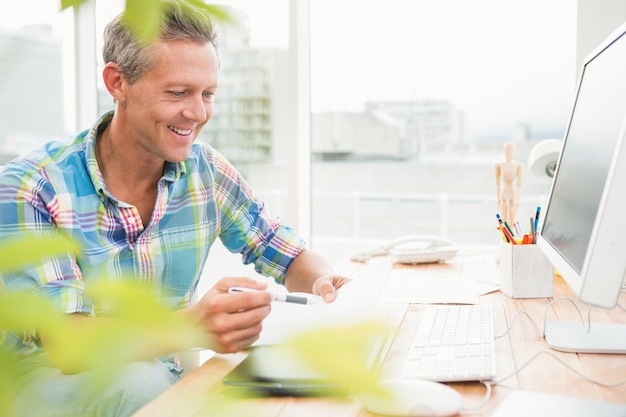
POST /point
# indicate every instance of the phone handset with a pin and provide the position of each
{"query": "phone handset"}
(413, 249)
(426, 240)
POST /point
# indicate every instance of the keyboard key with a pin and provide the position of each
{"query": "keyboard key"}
(453, 343)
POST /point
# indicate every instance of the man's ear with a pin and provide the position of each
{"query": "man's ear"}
(114, 81)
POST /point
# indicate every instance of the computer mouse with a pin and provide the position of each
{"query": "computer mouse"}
(414, 397)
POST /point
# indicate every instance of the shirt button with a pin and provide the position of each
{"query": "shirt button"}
(131, 220)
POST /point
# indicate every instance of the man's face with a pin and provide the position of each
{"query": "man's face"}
(169, 104)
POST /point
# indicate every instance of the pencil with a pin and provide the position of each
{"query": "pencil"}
(509, 236)
(502, 228)
(509, 228)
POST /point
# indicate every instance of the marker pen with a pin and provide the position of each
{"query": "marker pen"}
(536, 225)
(285, 298)
(503, 229)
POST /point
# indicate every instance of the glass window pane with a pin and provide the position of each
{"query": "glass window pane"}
(105, 11)
(36, 73)
(412, 102)
(250, 121)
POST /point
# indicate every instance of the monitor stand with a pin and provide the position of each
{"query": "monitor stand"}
(574, 337)
(523, 403)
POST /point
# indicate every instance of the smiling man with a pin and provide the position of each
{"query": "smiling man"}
(146, 202)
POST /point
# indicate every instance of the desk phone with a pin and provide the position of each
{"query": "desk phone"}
(413, 249)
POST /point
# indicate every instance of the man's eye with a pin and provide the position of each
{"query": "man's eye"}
(208, 96)
(177, 93)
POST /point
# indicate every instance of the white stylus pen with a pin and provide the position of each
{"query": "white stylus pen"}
(285, 298)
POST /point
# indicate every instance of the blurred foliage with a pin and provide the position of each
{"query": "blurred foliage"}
(142, 321)
(140, 314)
(25, 249)
(21, 311)
(140, 317)
(343, 353)
(144, 15)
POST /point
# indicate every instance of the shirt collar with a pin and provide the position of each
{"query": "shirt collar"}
(172, 172)
(89, 147)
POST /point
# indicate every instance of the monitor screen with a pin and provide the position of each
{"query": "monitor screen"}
(584, 221)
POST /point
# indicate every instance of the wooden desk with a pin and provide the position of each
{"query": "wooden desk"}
(199, 393)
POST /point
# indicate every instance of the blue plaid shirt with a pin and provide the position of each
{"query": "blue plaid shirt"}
(61, 187)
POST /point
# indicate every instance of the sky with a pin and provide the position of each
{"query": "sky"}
(500, 62)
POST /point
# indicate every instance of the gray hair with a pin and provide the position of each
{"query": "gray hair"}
(179, 21)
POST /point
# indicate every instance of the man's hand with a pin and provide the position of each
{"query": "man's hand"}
(232, 321)
(310, 272)
(326, 286)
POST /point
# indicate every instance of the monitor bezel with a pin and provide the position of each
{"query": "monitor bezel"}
(601, 278)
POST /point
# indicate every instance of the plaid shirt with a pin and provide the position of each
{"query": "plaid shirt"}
(60, 186)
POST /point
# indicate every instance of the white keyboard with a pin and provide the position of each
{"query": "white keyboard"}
(453, 343)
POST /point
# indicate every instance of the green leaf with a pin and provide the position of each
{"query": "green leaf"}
(342, 353)
(7, 381)
(27, 249)
(22, 311)
(141, 321)
(219, 13)
(144, 17)
(71, 3)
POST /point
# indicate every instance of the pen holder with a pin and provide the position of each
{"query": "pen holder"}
(525, 272)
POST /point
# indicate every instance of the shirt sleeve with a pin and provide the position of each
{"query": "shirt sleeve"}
(27, 202)
(247, 227)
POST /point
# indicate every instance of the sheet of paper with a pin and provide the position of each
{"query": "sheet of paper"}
(354, 303)
(486, 286)
(428, 287)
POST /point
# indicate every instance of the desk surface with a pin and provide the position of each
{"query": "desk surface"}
(201, 390)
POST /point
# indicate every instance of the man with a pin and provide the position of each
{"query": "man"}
(145, 201)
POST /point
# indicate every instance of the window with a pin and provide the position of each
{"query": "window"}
(36, 73)
(250, 122)
(412, 103)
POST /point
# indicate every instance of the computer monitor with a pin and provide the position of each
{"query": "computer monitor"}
(584, 226)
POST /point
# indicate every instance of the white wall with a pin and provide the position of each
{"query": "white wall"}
(597, 19)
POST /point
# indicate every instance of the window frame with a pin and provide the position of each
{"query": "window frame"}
(298, 205)
(86, 85)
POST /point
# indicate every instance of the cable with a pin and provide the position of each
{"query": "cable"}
(545, 313)
(550, 354)
(513, 322)
(489, 384)
(366, 256)
(485, 400)
(542, 333)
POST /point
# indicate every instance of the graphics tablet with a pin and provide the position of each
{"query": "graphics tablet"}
(256, 374)
(270, 370)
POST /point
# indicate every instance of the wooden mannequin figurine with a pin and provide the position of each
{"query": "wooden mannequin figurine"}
(508, 184)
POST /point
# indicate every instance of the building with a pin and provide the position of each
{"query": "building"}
(429, 124)
(31, 86)
(252, 89)
(388, 130)
(357, 136)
